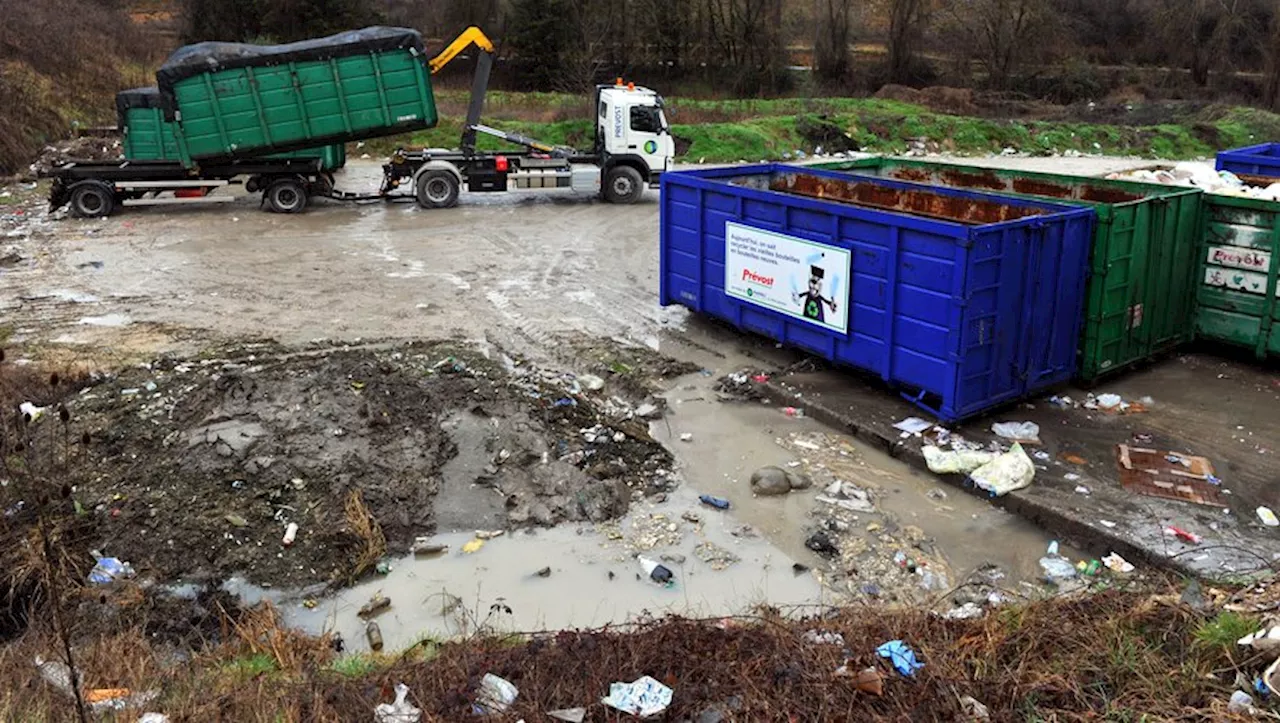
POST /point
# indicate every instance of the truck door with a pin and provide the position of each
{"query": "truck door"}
(648, 136)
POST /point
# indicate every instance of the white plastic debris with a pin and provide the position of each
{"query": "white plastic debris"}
(57, 674)
(1268, 517)
(496, 695)
(153, 718)
(31, 410)
(643, 697)
(1266, 640)
(1010, 471)
(912, 425)
(1082, 490)
(973, 709)
(572, 715)
(1018, 431)
(401, 711)
(109, 569)
(954, 462)
(591, 382)
(1057, 568)
(1241, 702)
(817, 638)
(686, 437)
(1115, 563)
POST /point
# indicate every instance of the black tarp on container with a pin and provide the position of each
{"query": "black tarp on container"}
(192, 60)
(135, 98)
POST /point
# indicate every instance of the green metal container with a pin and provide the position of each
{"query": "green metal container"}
(1139, 300)
(147, 136)
(245, 101)
(1240, 255)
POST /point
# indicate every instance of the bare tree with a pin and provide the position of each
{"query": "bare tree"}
(998, 34)
(1198, 34)
(907, 19)
(833, 21)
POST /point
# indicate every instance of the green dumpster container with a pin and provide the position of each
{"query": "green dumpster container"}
(1139, 300)
(244, 101)
(1236, 271)
(147, 136)
(1236, 299)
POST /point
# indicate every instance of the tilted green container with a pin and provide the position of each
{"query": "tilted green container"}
(1139, 300)
(1240, 256)
(147, 136)
(246, 101)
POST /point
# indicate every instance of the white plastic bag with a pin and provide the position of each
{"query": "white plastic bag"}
(1017, 431)
(955, 462)
(400, 711)
(496, 695)
(643, 697)
(1010, 471)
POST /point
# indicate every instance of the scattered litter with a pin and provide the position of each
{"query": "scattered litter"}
(108, 570)
(973, 710)
(544, 572)
(1167, 475)
(1263, 641)
(1081, 489)
(817, 638)
(1268, 517)
(719, 503)
(716, 557)
(572, 715)
(656, 571)
(57, 674)
(1010, 471)
(236, 520)
(1115, 563)
(1107, 523)
(1056, 567)
(495, 695)
(821, 543)
(472, 546)
(964, 612)
(489, 534)
(643, 698)
(290, 534)
(591, 382)
(686, 437)
(902, 657)
(401, 711)
(1109, 401)
(1072, 458)
(647, 411)
(1071, 477)
(31, 410)
(954, 462)
(912, 425)
(1241, 702)
(158, 718)
(1024, 432)
(936, 494)
(1041, 455)
(101, 700)
(374, 635)
(376, 604)
(794, 412)
(867, 680)
(423, 546)
(1183, 535)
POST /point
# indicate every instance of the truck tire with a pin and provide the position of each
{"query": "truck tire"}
(287, 195)
(92, 199)
(622, 184)
(437, 189)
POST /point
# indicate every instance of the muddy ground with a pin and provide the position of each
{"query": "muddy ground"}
(192, 469)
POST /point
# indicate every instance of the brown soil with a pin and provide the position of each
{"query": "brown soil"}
(192, 468)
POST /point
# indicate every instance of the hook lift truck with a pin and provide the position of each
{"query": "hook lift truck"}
(632, 147)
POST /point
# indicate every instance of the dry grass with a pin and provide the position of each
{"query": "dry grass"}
(361, 523)
(1116, 655)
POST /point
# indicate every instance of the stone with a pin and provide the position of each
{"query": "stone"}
(770, 482)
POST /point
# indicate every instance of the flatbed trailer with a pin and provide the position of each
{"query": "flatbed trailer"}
(95, 189)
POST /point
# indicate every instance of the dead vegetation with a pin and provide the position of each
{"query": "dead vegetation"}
(1115, 655)
(362, 523)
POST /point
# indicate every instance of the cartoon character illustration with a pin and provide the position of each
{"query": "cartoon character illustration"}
(812, 301)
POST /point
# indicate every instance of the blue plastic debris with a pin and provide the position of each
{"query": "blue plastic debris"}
(902, 657)
(565, 402)
(719, 503)
(108, 570)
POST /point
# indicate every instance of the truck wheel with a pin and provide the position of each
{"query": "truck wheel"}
(92, 199)
(437, 189)
(623, 185)
(287, 196)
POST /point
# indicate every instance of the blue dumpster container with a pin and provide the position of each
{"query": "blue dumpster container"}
(964, 300)
(1260, 160)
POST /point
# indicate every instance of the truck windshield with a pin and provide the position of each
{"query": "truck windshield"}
(646, 119)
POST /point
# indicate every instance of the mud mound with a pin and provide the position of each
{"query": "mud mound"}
(957, 101)
(192, 469)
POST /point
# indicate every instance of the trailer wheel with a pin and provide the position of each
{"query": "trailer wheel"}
(437, 189)
(92, 199)
(623, 185)
(287, 196)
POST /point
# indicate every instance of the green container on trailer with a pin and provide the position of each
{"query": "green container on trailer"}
(1143, 260)
(245, 101)
(147, 136)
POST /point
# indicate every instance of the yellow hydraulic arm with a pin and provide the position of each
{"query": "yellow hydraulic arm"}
(468, 36)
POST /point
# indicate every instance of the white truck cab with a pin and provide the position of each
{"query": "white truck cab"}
(632, 130)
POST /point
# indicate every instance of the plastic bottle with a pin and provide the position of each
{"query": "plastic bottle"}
(1053, 548)
(656, 571)
(374, 634)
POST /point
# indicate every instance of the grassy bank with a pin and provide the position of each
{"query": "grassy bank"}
(751, 130)
(1114, 656)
